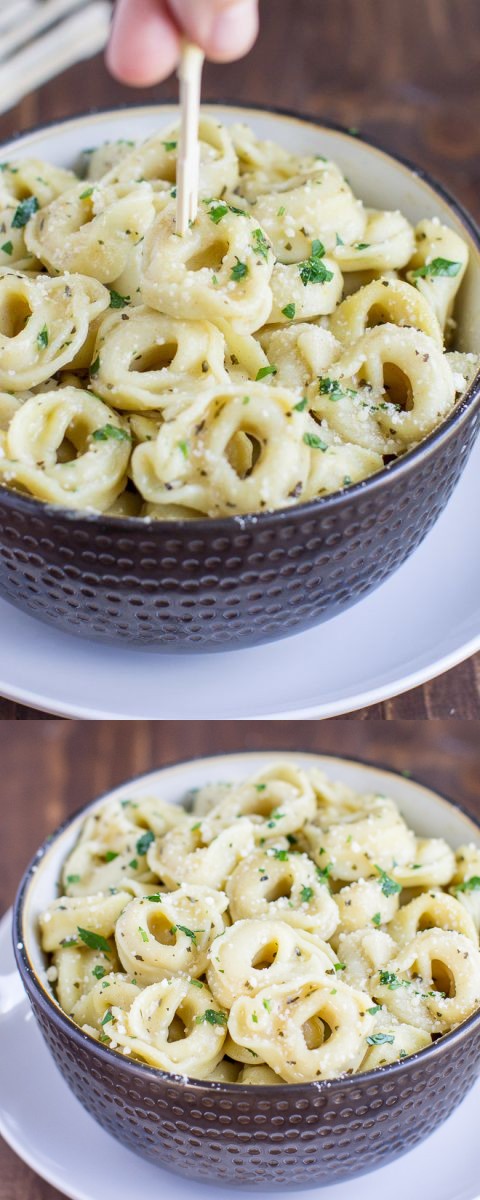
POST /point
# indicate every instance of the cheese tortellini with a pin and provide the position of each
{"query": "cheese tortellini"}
(283, 928)
(291, 344)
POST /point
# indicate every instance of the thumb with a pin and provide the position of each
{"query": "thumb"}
(225, 29)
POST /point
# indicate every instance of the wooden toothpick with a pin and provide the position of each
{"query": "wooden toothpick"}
(188, 163)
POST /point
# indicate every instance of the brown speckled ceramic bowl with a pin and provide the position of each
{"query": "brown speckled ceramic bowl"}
(213, 584)
(258, 1137)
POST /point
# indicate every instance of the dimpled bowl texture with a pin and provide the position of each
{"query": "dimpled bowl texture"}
(213, 584)
(258, 1137)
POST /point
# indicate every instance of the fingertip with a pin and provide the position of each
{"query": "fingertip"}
(144, 45)
(233, 32)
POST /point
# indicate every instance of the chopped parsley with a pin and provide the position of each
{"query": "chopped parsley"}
(155, 898)
(213, 1016)
(24, 212)
(133, 864)
(339, 966)
(108, 1017)
(42, 338)
(7, 247)
(306, 894)
(94, 941)
(281, 211)
(379, 1039)
(118, 301)
(376, 1008)
(302, 404)
(267, 1004)
(377, 919)
(261, 245)
(323, 872)
(99, 972)
(196, 983)
(86, 194)
(145, 841)
(263, 372)
(217, 212)
(388, 885)
(110, 855)
(469, 885)
(169, 146)
(390, 980)
(289, 311)
(190, 933)
(183, 447)
(73, 878)
(110, 431)
(282, 855)
(362, 246)
(143, 934)
(315, 442)
(438, 266)
(95, 367)
(339, 240)
(239, 271)
(333, 389)
(313, 269)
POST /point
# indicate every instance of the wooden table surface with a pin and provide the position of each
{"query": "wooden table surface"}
(405, 73)
(53, 768)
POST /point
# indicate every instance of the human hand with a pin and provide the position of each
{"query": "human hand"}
(145, 41)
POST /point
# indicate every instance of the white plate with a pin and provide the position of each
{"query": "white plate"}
(46, 1126)
(419, 623)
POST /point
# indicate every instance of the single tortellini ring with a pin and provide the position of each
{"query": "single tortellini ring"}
(156, 160)
(43, 324)
(91, 230)
(169, 1026)
(384, 301)
(146, 360)
(410, 382)
(432, 865)
(96, 866)
(171, 933)
(216, 270)
(434, 909)
(92, 1008)
(33, 458)
(396, 1041)
(98, 914)
(293, 299)
(369, 842)
(434, 982)
(276, 884)
(277, 801)
(437, 266)
(363, 953)
(182, 854)
(301, 352)
(363, 903)
(76, 970)
(323, 1028)
(193, 461)
(387, 242)
(252, 954)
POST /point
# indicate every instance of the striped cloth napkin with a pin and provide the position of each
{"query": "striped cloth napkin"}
(41, 38)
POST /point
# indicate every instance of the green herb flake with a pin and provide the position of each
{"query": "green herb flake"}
(239, 271)
(145, 841)
(42, 338)
(376, 1008)
(260, 243)
(264, 372)
(155, 898)
(438, 266)
(183, 447)
(7, 247)
(110, 431)
(377, 919)
(339, 240)
(86, 194)
(169, 146)
(315, 442)
(190, 933)
(322, 873)
(73, 878)
(99, 972)
(217, 212)
(260, 787)
(143, 934)
(213, 1016)
(313, 269)
(362, 246)
(94, 941)
(306, 894)
(388, 885)
(133, 864)
(267, 1004)
(282, 855)
(340, 966)
(108, 1017)
(110, 855)
(302, 404)
(469, 885)
(379, 1039)
(196, 983)
(289, 311)
(281, 211)
(118, 301)
(390, 980)
(24, 212)
(95, 367)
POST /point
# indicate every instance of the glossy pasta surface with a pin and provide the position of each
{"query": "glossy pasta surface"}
(291, 344)
(284, 929)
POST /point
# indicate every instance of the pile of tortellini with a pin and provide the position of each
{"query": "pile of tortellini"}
(285, 929)
(289, 345)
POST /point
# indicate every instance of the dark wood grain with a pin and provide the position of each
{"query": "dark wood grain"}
(50, 769)
(405, 73)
